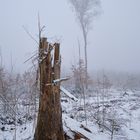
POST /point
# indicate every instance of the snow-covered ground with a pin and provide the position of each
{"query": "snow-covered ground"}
(116, 112)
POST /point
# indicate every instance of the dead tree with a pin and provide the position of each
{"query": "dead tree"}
(85, 11)
(49, 123)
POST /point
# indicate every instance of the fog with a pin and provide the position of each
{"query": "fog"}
(113, 41)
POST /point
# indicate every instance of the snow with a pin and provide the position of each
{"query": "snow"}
(22, 132)
(125, 110)
(60, 80)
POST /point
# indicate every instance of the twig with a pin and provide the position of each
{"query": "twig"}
(30, 58)
(25, 29)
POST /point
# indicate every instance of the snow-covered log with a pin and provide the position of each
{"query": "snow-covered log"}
(75, 130)
(68, 94)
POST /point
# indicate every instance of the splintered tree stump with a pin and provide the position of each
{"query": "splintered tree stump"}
(49, 123)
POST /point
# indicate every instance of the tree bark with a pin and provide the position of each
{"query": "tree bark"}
(49, 123)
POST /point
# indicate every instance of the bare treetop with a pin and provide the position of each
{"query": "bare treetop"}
(85, 11)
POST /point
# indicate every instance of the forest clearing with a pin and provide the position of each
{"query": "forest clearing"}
(69, 70)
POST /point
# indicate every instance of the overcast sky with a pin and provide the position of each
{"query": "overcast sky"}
(113, 44)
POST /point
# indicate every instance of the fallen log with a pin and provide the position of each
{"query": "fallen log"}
(75, 130)
(68, 94)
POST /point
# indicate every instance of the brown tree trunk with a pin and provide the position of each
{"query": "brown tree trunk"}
(49, 123)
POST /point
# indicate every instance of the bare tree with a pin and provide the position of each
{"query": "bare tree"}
(85, 11)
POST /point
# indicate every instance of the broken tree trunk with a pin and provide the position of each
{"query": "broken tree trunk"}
(49, 123)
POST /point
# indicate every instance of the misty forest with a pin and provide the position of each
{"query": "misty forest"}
(70, 70)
